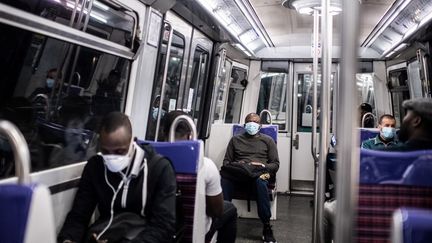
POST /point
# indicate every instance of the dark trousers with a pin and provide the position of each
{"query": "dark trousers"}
(262, 197)
(226, 226)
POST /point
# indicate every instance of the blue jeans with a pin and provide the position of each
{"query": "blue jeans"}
(262, 196)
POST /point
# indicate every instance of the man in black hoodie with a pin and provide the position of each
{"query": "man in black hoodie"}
(123, 178)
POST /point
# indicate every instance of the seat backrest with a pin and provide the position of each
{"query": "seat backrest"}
(22, 208)
(389, 180)
(367, 133)
(270, 130)
(186, 158)
(412, 225)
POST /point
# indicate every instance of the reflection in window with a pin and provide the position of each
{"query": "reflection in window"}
(398, 85)
(365, 89)
(196, 87)
(272, 97)
(116, 25)
(235, 95)
(175, 65)
(58, 116)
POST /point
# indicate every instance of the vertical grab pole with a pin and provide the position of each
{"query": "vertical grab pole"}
(169, 28)
(348, 152)
(326, 31)
(314, 120)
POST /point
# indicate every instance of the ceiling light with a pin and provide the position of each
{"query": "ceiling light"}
(308, 6)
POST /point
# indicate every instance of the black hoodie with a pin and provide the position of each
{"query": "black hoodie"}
(94, 191)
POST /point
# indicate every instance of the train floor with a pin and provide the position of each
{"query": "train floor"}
(293, 224)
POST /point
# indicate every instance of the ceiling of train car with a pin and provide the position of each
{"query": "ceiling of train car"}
(286, 27)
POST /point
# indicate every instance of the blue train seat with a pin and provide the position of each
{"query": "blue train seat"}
(367, 133)
(388, 181)
(186, 158)
(412, 225)
(241, 197)
(22, 209)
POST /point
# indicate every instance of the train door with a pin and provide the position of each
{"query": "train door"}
(302, 162)
(195, 87)
(399, 91)
(170, 72)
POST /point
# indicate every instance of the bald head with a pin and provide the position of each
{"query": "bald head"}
(253, 117)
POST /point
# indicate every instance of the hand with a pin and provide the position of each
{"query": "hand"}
(99, 241)
(257, 164)
(265, 176)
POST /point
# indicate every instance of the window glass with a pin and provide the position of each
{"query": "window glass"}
(304, 102)
(272, 97)
(172, 85)
(398, 85)
(221, 92)
(57, 115)
(105, 21)
(235, 95)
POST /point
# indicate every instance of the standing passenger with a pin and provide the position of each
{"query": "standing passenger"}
(387, 136)
(123, 178)
(221, 215)
(257, 149)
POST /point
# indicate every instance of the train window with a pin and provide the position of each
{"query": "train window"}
(175, 64)
(365, 89)
(398, 86)
(221, 93)
(272, 97)
(58, 118)
(304, 97)
(196, 87)
(235, 95)
(117, 24)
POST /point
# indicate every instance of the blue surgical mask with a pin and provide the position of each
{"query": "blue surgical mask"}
(252, 128)
(155, 113)
(50, 82)
(388, 133)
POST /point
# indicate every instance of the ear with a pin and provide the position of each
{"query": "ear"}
(416, 121)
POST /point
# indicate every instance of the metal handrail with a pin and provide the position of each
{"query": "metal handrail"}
(347, 172)
(365, 116)
(164, 77)
(20, 150)
(176, 121)
(269, 113)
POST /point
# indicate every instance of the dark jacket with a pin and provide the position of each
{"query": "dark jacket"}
(411, 145)
(94, 191)
(258, 148)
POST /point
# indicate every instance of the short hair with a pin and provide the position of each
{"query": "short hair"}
(113, 121)
(388, 116)
(366, 107)
(182, 128)
(250, 115)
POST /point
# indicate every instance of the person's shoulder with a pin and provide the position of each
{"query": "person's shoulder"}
(266, 138)
(208, 164)
(368, 143)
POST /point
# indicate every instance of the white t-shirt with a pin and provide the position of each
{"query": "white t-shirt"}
(212, 181)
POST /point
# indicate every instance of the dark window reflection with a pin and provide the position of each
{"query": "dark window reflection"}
(55, 102)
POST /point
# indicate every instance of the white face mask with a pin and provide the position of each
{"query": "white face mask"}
(118, 162)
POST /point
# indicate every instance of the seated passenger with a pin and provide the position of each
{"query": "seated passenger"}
(49, 84)
(221, 215)
(114, 181)
(257, 149)
(387, 136)
(416, 129)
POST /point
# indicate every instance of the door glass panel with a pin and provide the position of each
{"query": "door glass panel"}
(235, 95)
(199, 73)
(221, 92)
(172, 83)
(365, 89)
(304, 102)
(59, 121)
(398, 85)
(272, 97)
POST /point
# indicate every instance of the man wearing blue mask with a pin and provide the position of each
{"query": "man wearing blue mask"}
(254, 148)
(387, 136)
(129, 185)
(49, 84)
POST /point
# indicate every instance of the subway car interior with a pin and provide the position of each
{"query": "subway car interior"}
(320, 74)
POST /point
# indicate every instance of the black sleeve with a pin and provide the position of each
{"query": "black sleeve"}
(273, 157)
(161, 224)
(229, 154)
(77, 220)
